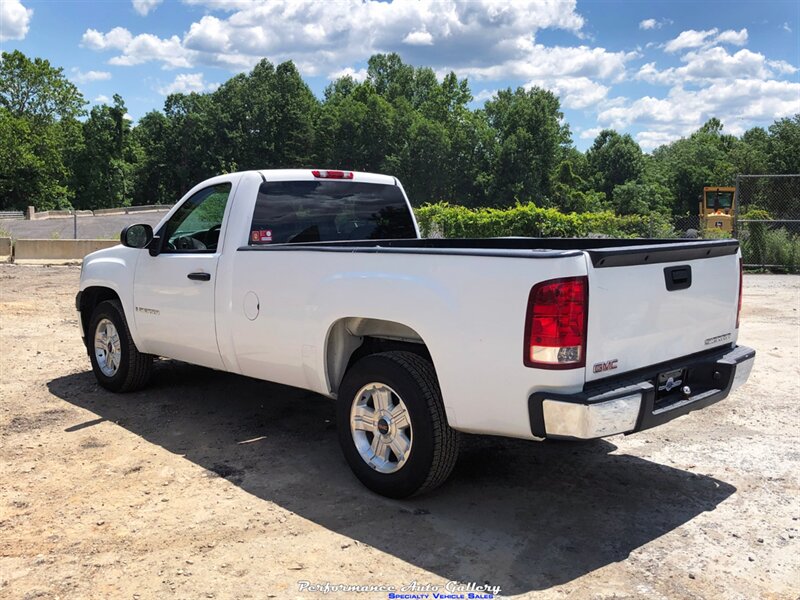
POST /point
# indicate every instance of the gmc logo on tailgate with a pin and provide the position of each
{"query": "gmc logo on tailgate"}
(608, 365)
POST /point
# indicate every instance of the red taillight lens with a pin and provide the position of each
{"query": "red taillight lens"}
(333, 174)
(741, 280)
(555, 327)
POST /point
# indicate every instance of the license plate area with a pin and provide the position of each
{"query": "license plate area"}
(669, 384)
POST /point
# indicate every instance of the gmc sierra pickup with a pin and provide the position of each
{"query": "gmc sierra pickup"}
(319, 280)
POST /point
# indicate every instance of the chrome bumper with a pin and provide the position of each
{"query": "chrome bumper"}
(630, 403)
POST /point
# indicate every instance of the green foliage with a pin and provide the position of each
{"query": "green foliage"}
(782, 248)
(615, 160)
(104, 166)
(784, 145)
(530, 136)
(530, 220)
(634, 198)
(34, 89)
(38, 132)
(762, 245)
(754, 236)
(689, 164)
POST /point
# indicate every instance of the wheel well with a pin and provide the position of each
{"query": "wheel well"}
(353, 338)
(90, 298)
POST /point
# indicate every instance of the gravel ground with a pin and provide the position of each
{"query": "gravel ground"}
(210, 485)
(100, 227)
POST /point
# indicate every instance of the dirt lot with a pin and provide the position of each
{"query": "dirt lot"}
(209, 485)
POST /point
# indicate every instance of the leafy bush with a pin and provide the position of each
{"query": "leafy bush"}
(529, 220)
(762, 245)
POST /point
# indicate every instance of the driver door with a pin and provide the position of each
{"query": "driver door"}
(173, 292)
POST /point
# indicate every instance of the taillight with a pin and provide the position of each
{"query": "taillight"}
(333, 174)
(741, 280)
(555, 326)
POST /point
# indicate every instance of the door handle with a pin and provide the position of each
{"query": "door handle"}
(199, 276)
(678, 278)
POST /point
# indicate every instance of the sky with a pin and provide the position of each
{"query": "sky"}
(656, 70)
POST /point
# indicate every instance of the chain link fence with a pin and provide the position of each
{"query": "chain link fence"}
(767, 221)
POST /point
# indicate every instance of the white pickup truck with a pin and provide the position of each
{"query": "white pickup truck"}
(319, 280)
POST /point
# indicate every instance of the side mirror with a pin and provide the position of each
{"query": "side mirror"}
(136, 236)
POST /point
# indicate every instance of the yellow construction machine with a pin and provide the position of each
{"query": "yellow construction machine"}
(716, 208)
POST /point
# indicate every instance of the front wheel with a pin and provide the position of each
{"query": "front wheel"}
(392, 425)
(117, 363)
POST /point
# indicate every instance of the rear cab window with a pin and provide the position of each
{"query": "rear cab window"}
(289, 212)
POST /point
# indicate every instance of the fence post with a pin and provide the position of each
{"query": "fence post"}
(736, 208)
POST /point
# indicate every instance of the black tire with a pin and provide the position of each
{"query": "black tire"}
(434, 447)
(135, 368)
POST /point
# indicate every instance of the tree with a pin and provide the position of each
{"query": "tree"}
(614, 159)
(635, 198)
(34, 89)
(784, 145)
(530, 136)
(38, 131)
(569, 194)
(702, 159)
(750, 154)
(104, 166)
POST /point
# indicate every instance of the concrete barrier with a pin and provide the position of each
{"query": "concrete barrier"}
(126, 210)
(57, 250)
(108, 211)
(5, 249)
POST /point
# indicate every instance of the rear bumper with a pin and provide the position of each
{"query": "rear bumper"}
(631, 403)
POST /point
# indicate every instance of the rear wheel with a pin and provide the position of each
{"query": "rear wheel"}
(392, 425)
(117, 363)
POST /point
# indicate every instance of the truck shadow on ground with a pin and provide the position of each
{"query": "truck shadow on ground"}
(521, 515)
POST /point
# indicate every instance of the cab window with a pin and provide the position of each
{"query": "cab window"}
(289, 212)
(195, 226)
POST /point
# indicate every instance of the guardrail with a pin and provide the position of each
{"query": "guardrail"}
(12, 214)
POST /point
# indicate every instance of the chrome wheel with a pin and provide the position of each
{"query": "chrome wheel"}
(107, 348)
(381, 427)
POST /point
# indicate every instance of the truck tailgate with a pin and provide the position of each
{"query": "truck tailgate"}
(651, 304)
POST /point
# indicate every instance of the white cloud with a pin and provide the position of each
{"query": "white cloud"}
(591, 133)
(715, 63)
(737, 38)
(15, 20)
(101, 99)
(418, 38)
(559, 61)
(116, 39)
(186, 83)
(690, 39)
(697, 39)
(574, 92)
(440, 33)
(145, 6)
(138, 49)
(359, 75)
(484, 95)
(738, 103)
(654, 23)
(786, 27)
(80, 77)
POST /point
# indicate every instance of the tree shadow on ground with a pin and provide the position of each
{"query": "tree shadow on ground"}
(521, 515)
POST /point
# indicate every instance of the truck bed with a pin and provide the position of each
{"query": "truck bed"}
(604, 252)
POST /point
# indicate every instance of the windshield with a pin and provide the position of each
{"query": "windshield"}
(719, 199)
